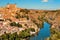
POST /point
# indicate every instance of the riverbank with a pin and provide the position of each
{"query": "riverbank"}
(43, 33)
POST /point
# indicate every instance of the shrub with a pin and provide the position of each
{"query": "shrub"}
(39, 18)
(15, 24)
(24, 34)
(31, 29)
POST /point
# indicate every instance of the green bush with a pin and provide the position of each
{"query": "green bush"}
(32, 29)
(24, 34)
(39, 18)
(15, 24)
(55, 34)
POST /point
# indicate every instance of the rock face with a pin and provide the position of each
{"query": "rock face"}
(13, 19)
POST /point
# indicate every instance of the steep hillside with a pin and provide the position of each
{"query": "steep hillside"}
(28, 21)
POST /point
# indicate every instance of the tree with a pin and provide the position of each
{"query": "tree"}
(17, 16)
(24, 34)
(55, 34)
(19, 25)
(39, 18)
(15, 24)
(32, 29)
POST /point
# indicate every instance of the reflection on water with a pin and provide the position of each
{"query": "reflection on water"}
(43, 33)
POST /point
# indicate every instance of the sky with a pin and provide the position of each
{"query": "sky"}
(33, 4)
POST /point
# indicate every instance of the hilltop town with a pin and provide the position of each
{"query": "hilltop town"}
(19, 20)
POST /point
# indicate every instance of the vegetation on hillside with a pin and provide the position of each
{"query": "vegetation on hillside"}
(55, 34)
(15, 24)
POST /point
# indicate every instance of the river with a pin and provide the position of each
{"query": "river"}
(43, 33)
